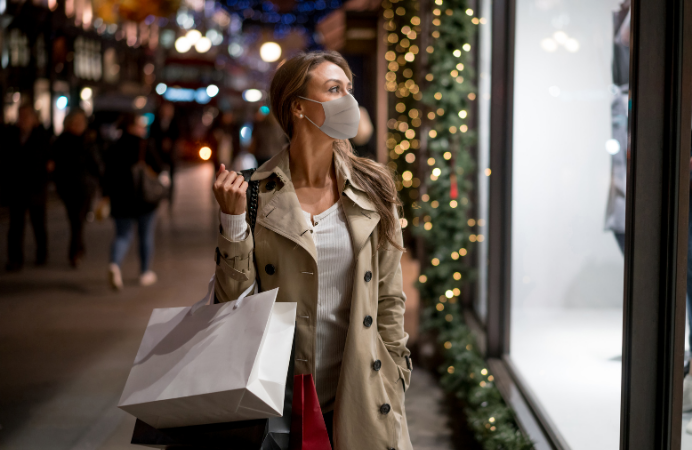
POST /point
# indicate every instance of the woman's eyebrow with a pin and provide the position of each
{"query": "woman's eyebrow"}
(335, 81)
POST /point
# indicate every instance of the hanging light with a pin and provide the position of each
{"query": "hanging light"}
(193, 36)
(252, 95)
(212, 90)
(86, 94)
(235, 49)
(270, 51)
(182, 44)
(161, 88)
(203, 45)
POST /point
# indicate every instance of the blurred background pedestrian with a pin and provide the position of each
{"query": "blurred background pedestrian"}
(128, 205)
(24, 158)
(224, 139)
(164, 133)
(267, 136)
(76, 174)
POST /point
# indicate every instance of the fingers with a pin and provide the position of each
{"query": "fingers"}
(221, 177)
(239, 180)
(229, 180)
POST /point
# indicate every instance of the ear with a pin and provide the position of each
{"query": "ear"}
(297, 108)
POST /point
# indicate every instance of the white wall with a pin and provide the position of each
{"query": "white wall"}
(561, 255)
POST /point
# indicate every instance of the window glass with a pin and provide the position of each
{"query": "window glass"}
(568, 212)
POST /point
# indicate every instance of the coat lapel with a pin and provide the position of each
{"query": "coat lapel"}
(361, 213)
(283, 214)
(281, 211)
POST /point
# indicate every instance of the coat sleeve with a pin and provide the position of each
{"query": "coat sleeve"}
(235, 267)
(391, 307)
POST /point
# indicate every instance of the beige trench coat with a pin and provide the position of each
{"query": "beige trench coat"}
(369, 411)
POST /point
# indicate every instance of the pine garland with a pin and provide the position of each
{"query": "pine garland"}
(443, 219)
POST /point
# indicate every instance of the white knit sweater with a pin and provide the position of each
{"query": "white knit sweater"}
(335, 280)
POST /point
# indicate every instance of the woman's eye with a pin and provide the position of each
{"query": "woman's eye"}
(334, 89)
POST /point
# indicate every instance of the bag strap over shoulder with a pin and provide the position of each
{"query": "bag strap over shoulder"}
(252, 197)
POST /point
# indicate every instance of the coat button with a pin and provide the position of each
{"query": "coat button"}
(270, 269)
(270, 185)
(368, 276)
(377, 365)
(367, 321)
(384, 409)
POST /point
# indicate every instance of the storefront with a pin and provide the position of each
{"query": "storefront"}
(584, 113)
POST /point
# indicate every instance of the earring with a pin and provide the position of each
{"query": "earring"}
(300, 115)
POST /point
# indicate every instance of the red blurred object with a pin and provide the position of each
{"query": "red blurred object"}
(308, 430)
(453, 188)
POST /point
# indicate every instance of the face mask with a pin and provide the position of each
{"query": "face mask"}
(341, 117)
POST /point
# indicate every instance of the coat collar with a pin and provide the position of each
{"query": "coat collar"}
(283, 213)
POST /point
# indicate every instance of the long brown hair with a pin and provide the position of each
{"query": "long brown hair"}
(289, 82)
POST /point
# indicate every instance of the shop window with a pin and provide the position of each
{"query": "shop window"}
(568, 212)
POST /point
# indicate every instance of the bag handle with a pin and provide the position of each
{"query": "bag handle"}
(209, 297)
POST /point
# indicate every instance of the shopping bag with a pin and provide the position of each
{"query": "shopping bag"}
(308, 430)
(260, 434)
(212, 364)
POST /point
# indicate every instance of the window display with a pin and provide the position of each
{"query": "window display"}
(568, 203)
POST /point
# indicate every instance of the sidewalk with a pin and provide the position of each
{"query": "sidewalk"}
(67, 341)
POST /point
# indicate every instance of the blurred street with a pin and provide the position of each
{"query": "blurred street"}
(67, 341)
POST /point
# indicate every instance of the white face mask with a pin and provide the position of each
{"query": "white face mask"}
(341, 117)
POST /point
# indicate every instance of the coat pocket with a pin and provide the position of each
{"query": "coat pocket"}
(392, 380)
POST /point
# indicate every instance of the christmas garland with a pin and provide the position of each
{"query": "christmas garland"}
(442, 216)
(403, 28)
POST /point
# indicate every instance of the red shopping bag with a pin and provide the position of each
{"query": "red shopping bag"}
(308, 430)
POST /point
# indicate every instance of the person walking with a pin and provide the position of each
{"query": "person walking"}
(328, 235)
(75, 175)
(128, 205)
(223, 138)
(164, 133)
(24, 161)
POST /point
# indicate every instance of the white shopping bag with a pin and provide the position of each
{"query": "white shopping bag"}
(211, 364)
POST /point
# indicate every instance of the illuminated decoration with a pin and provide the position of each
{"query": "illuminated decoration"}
(201, 96)
(193, 36)
(264, 110)
(140, 102)
(161, 88)
(246, 134)
(270, 51)
(214, 36)
(302, 17)
(212, 90)
(173, 94)
(61, 102)
(182, 44)
(203, 45)
(115, 11)
(442, 215)
(86, 94)
(402, 27)
(205, 153)
(252, 95)
(235, 49)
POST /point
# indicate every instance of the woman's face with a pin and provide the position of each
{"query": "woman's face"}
(327, 82)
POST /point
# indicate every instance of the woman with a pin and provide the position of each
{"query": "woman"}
(76, 173)
(127, 203)
(328, 236)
